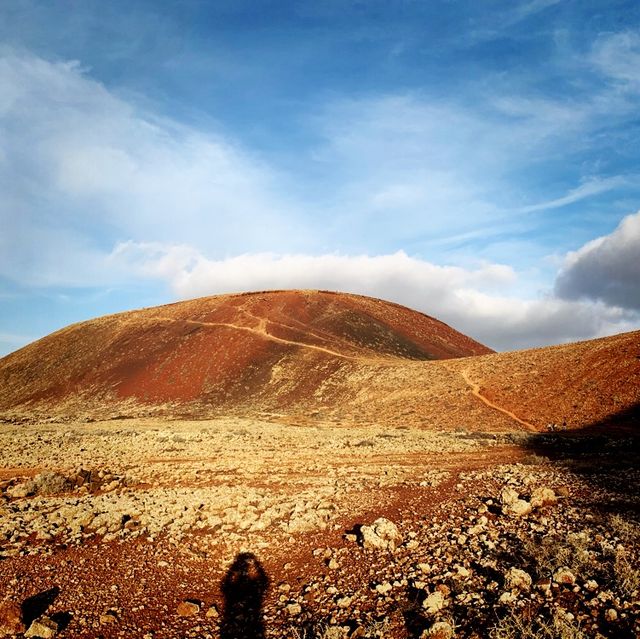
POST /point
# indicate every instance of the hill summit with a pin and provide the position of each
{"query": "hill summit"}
(247, 352)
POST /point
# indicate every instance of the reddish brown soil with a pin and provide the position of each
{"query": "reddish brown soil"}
(220, 352)
(303, 357)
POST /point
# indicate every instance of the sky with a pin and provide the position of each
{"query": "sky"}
(478, 161)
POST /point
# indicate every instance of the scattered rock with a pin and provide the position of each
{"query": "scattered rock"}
(517, 579)
(564, 576)
(434, 603)
(519, 508)
(543, 497)
(188, 608)
(294, 609)
(385, 588)
(512, 504)
(212, 612)
(21, 490)
(108, 617)
(544, 585)
(507, 597)
(591, 585)
(43, 627)
(439, 630)
(381, 535)
(508, 496)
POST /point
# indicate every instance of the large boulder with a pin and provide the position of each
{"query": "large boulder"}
(381, 535)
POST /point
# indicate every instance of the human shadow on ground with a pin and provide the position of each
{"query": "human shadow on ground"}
(35, 606)
(244, 587)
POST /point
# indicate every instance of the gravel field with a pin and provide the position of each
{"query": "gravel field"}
(244, 528)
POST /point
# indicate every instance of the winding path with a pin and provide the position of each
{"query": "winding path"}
(475, 390)
(261, 331)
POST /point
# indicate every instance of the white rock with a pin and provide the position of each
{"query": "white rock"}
(384, 588)
(507, 597)
(543, 497)
(508, 496)
(434, 602)
(381, 535)
(519, 508)
(517, 579)
(591, 585)
(564, 576)
(44, 627)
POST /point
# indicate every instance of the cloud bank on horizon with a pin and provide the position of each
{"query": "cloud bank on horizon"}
(478, 165)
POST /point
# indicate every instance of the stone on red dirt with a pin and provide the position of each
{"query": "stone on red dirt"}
(212, 612)
(187, 609)
(381, 535)
(108, 617)
(564, 576)
(543, 497)
(43, 627)
(10, 619)
(517, 579)
(434, 603)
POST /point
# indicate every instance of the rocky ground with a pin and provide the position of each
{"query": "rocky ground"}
(235, 528)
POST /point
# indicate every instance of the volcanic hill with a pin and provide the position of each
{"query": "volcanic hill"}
(313, 356)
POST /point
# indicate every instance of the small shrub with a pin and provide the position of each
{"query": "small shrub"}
(514, 626)
(50, 484)
(627, 576)
(536, 460)
(550, 553)
(625, 529)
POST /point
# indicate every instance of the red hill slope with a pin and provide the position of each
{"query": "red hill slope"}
(313, 356)
(247, 352)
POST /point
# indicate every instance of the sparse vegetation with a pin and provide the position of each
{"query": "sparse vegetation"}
(519, 625)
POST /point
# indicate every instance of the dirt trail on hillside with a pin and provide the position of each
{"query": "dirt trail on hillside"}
(261, 331)
(475, 390)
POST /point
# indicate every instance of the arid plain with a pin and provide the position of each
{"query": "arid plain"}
(312, 464)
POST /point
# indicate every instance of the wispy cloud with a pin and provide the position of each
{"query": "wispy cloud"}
(82, 168)
(617, 56)
(524, 10)
(591, 187)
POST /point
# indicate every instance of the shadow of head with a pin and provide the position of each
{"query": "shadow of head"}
(37, 605)
(244, 587)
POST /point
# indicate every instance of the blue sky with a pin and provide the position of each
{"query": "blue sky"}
(478, 161)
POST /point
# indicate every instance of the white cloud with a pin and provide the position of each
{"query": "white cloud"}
(80, 166)
(471, 300)
(532, 7)
(606, 269)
